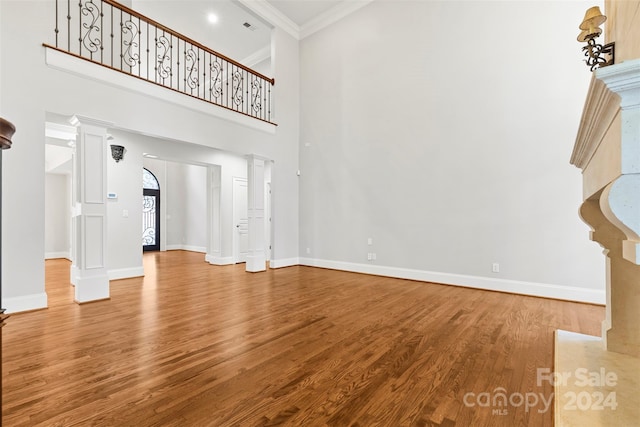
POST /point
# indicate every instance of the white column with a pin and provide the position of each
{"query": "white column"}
(89, 213)
(256, 259)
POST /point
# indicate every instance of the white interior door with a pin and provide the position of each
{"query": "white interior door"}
(240, 220)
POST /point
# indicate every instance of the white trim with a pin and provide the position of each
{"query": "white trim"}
(569, 293)
(285, 262)
(201, 249)
(25, 302)
(266, 11)
(330, 16)
(189, 248)
(57, 255)
(92, 71)
(218, 260)
(126, 273)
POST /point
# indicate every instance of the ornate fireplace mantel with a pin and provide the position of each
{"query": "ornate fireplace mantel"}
(607, 150)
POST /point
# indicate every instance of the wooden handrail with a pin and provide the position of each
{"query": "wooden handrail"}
(7, 129)
(187, 39)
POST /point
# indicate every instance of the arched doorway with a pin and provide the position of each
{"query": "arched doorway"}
(150, 212)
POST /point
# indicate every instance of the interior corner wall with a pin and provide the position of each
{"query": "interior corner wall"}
(447, 147)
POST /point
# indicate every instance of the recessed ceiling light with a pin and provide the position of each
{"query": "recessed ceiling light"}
(212, 18)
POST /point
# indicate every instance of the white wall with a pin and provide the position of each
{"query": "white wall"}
(443, 131)
(33, 89)
(186, 199)
(57, 219)
(175, 201)
(195, 233)
(124, 213)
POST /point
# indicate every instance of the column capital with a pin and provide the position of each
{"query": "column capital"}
(78, 120)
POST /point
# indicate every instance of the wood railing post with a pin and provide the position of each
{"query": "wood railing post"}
(7, 129)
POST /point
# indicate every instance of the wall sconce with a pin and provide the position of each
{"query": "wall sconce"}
(594, 52)
(117, 152)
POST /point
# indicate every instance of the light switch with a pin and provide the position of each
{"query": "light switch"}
(125, 213)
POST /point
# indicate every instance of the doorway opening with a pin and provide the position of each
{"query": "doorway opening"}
(150, 212)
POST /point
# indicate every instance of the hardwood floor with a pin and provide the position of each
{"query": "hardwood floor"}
(196, 345)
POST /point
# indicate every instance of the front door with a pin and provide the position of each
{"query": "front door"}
(150, 212)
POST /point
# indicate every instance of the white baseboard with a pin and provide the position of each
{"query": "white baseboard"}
(190, 248)
(219, 260)
(544, 290)
(125, 273)
(285, 262)
(56, 255)
(25, 303)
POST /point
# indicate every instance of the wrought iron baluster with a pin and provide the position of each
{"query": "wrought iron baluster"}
(178, 66)
(80, 28)
(101, 31)
(147, 51)
(204, 75)
(121, 38)
(139, 47)
(56, 29)
(129, 56)
(69, 25)
(111, 37)
(269, 104)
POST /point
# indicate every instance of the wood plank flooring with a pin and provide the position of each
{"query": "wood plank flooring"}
(192, 344)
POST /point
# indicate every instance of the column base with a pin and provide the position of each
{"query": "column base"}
(91, 287)
(256, 263)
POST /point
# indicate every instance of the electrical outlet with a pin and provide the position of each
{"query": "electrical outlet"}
(373, 256)
(369, 256)
(308, 250)
(495, 267)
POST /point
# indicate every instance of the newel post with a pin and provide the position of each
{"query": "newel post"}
(7, 129)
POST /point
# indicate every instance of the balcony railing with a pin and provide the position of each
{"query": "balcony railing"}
(114, 36)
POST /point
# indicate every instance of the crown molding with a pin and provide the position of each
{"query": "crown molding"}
(266, 11)
(330, 16)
